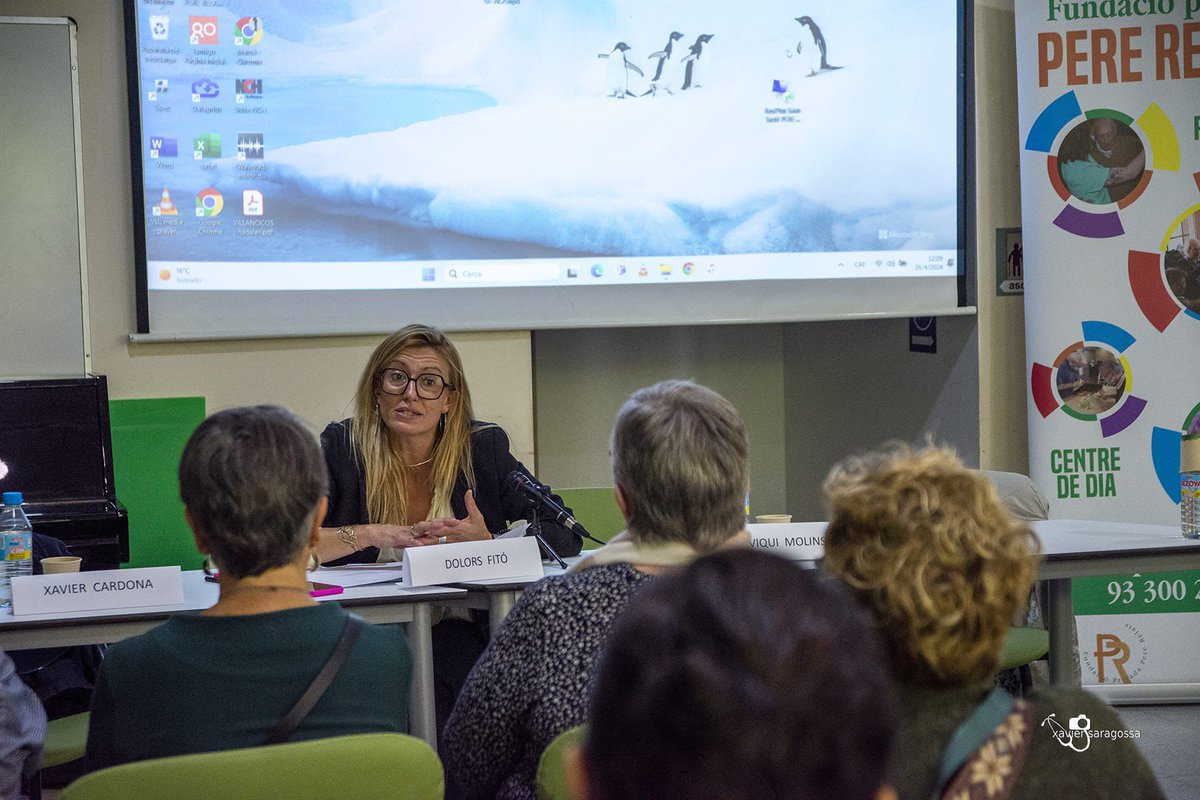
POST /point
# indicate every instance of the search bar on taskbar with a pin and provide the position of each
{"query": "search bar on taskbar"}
(502, 273)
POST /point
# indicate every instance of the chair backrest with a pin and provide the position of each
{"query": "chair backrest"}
(597, 510)
(367, 765)
(552, 771)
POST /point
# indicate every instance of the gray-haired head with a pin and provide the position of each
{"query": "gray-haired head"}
(251, 479)
(680, 456)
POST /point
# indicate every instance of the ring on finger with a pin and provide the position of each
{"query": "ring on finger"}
(441, 540)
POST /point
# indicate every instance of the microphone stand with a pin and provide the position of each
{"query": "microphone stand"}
(536, 525)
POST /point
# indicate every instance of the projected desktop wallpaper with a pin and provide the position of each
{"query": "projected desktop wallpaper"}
(393, 130)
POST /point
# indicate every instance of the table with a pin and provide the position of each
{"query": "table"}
(1073, 548)
(377, 603)
(1070, 549)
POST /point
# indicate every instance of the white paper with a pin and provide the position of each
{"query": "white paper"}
(358, 574)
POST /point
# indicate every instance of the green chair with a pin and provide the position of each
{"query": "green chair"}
(597, 510)
(66, 740)
(552, 772)
(1022, 646)
(367, 765)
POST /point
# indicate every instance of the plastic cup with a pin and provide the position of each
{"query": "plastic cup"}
(56, 564)
(769, 518)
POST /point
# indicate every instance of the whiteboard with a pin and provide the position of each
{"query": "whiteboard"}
(43, 305)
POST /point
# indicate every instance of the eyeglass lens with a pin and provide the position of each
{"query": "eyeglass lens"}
(429, 386)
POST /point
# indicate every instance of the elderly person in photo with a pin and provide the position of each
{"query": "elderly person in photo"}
(680, 463)
(931, 551)
(253, 487)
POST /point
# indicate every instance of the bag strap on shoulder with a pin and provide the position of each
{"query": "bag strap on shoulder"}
(341, 651)
(998, 727)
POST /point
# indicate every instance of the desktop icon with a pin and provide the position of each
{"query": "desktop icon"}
(161, 85)
(202, 31)
(204, 89)
(207, 145)
(163, 147)
(165, 207)
(428, 274)
(572, 272)
(689, 268)
(209, 203)
(249, 145)
(160, 27)
(252, 203)
(164, 274)
(249, 32)
(620, 269)
(250, 87)
(643, 272)
(597, 270)
(664, 269)
(779, 87)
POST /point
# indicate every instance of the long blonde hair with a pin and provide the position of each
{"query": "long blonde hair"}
(380, 458)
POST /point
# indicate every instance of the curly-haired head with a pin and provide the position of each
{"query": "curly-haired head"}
(932, 551)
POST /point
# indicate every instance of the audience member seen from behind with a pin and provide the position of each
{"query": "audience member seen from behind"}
(933, 553)
(741, 677)
(680, 464)
(253, 484)
(22, 730)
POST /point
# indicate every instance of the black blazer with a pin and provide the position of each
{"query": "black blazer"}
(499, 503)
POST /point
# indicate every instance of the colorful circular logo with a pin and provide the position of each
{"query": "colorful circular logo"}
(249, 32)
(1167, 283)
(1098, 159)
(1091, 380)
(209, 203)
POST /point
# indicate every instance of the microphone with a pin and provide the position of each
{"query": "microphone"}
(539, 495)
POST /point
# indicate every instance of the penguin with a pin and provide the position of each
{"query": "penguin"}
(690, 60)
(664, 55)
(618, 70)
(819, 42)
(662, 75)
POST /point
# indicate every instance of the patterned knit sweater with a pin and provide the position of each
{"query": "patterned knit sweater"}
(1110, 767)
(533, 681)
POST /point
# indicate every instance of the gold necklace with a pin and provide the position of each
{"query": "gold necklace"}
(419, 463)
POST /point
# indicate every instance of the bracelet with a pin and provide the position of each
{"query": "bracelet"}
(347, 534)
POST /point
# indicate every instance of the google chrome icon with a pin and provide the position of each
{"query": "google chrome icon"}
(209, 203)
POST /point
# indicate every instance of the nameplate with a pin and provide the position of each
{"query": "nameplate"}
(472, 561)
(93, 591)
(796, 541)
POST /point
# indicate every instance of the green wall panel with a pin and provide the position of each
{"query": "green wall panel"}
(148, 438)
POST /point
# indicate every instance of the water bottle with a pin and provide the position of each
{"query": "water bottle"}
(17, 536)
(1189, 486)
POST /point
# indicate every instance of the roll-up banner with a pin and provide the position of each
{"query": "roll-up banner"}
(1109, 119)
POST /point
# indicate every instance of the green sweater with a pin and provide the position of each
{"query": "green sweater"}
(196, 684)
(1109, 769)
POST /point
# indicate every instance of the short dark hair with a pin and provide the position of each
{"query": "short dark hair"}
(252, 479)
(741, 677)
(681, 456)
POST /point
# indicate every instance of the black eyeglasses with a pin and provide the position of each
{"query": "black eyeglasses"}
(395, 381)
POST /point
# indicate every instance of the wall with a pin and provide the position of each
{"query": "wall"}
(583, 376)
(1003, 382)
